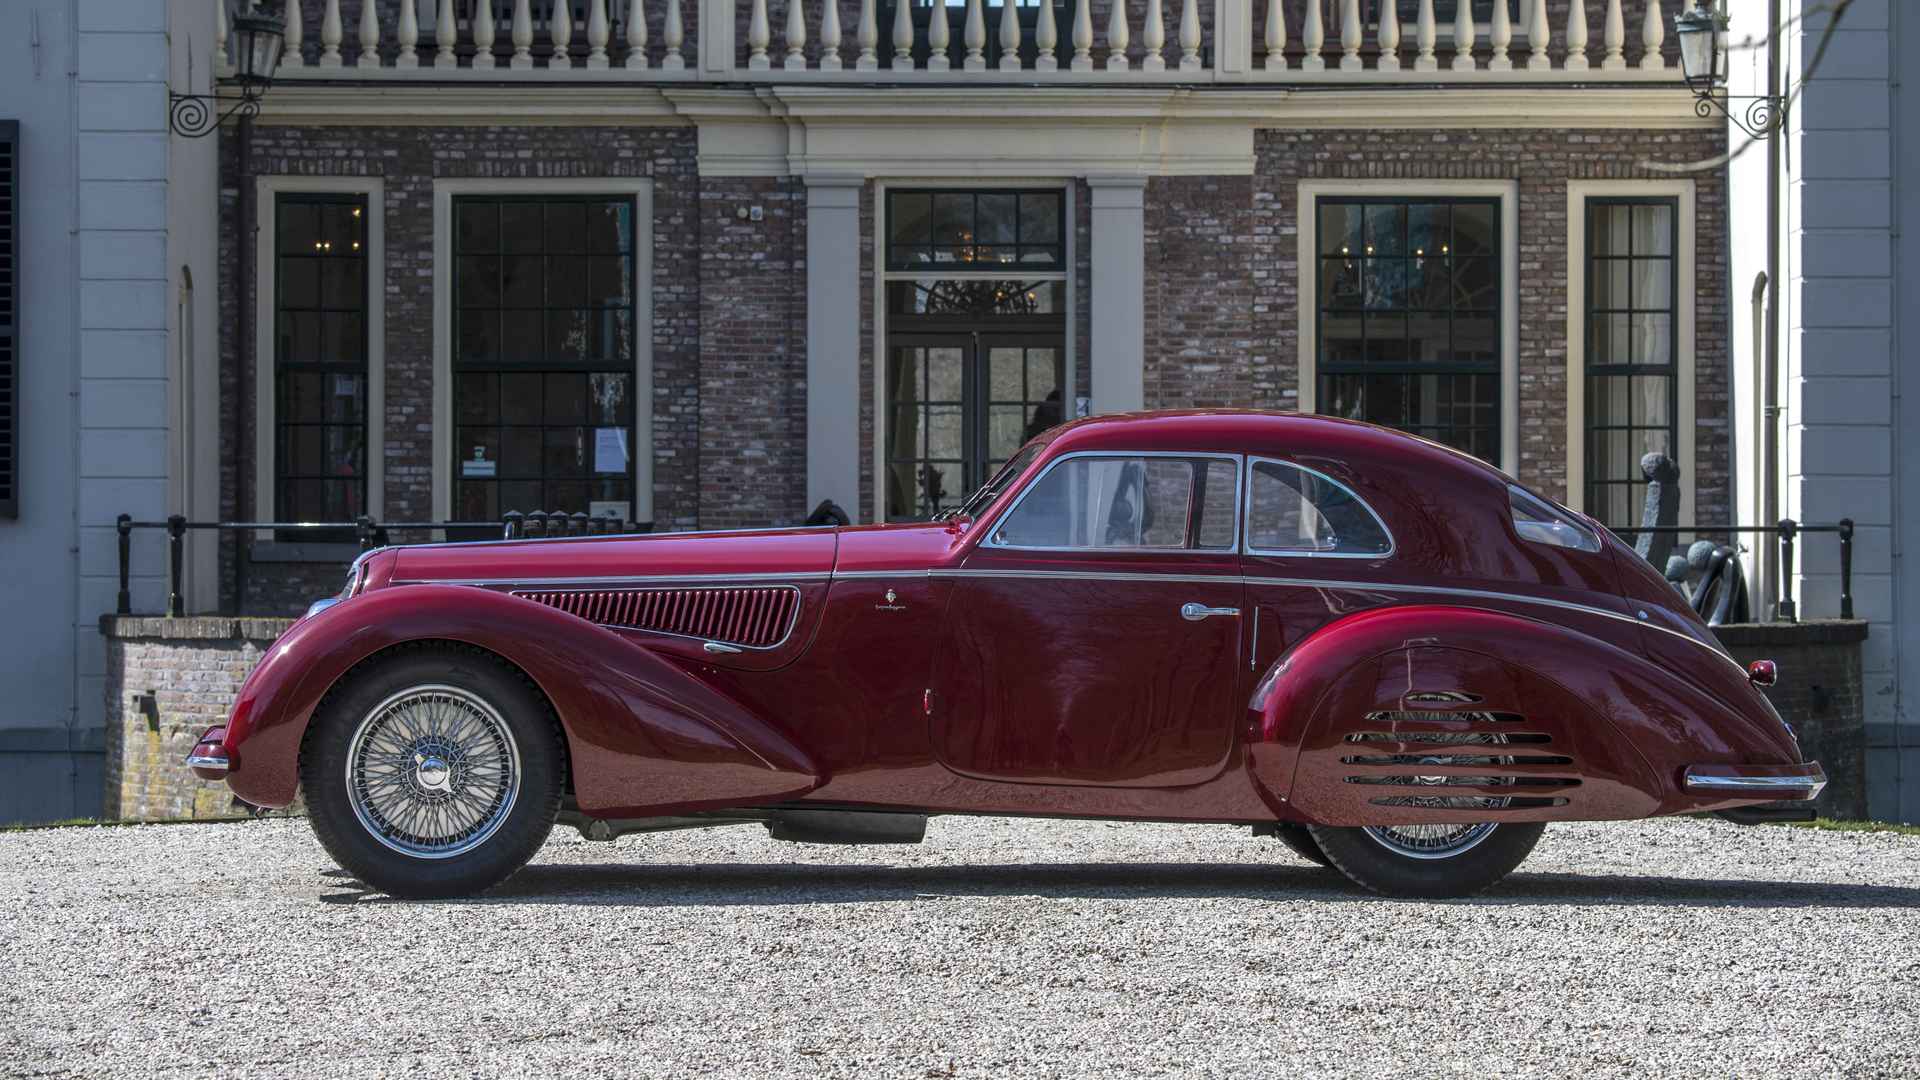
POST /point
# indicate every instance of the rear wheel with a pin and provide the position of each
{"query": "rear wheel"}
(433, 773)
(1428, 861)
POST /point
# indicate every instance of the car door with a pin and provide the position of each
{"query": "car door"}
(1095, 634)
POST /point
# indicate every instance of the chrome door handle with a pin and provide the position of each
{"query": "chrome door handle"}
(717, 648)
(1193, 612)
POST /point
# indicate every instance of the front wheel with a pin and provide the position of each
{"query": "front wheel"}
(1431, 862)
(433, 773)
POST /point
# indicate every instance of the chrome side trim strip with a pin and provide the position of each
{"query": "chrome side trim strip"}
(615, 581)
(1093, 575)
(1759, 786)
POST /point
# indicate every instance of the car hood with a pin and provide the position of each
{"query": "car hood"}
(588, 560)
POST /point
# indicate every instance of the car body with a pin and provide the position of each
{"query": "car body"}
(1350, 637)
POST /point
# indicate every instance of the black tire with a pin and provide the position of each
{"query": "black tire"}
(1372, 864)
(1302, 843)
(514, 829)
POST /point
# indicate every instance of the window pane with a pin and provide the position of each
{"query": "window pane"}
(299, 281)
(477, 229)
(521, 224)
(1473, 228)
(566, 227)
(566, 281)
(1340, 228)
(1386, 229)
(996, 217)
(1217, 507)
(1653, 229)
(952, 219)
(1652, 284)
(1040, 215)
(1293, 510)
(479, 280)
(609, 228)
(1104, 502)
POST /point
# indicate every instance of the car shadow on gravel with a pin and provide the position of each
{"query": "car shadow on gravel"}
(763, 884)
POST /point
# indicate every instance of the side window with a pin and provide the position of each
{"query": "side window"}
(1115, 502)
(1295, 510)
(1217, 501)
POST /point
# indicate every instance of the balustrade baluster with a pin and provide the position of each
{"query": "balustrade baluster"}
(1389, 37)
(1653, 33)
(482, 34)
(522, 35)
(1500, 35)
(222, 63)
(1119, 36)
(1046, 40)
(1464, 31)
(795, 35)
(446, 34)
(1274, 40)
(673, 35)
(903, 36)
(869, 38)
(975, 37)
(1539, 36)
(636, 28)
(291, 54)
(408, 35)
(1424, 35)
(1613, 36)
(1350, 36)
(1313, 39)
(1082, 35)
(598, 30)
(757, 37)
(560, 33)
(330, 33)
(830, 36)
(939, 37)
(1190, 36)
(1577, 35)
(1153, 37)
(369, 35)
(1010, 37)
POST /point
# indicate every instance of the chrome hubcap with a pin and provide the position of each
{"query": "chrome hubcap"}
(433, 772)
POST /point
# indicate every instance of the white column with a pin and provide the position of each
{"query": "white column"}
(408, 35)
(1119, 284)
(974, 37)
(1577, 35)
(1010, 35)
(1425, 33)
(758, 35)
(1119, 36)
(636, 35)
(1154, 39)
(369, 36)
(903, 36)
(796, 37)
(446, 32)
(290, 51)
(1046, 39)
(1389, 38)
(1275, 38)
(1350, 36)
(560, 34)
(830, 36)
(482, 34)
(1614, 37)
(522, 34)
(1313, 38)
(1189, 36)
(1500, 35)
(330, 32)
(939, 37)
(1653, 33)
(1082, 35)
(673, 35)
(868, 38)
(598, 31)
(833, 341)
(1463, 35)
(1539, 36)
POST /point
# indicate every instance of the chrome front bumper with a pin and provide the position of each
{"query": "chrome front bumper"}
(1801, 783)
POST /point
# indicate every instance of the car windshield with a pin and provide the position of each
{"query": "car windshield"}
(991, 490)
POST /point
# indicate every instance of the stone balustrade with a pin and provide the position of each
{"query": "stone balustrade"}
(1177, 41)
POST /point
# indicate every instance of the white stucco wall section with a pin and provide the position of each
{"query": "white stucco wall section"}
(833, 341)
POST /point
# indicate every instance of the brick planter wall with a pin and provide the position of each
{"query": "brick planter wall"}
(1819, 694)
(168, 680)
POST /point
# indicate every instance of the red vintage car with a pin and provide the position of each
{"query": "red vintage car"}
(1385, 653)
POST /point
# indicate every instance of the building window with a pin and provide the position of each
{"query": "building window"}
(976, 310)
(1631, 349)
(1408, 316)
(543, 355)
(320, 357)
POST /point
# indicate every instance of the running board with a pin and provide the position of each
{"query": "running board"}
(794, 826)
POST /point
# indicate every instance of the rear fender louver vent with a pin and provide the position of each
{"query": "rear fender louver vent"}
(754, 618)
(1426, 761)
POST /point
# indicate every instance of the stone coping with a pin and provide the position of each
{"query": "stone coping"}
(194, 627)
(1810, 632)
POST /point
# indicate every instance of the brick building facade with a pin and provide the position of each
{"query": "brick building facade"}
(772, 244)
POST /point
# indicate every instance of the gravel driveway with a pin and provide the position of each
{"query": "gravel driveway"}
(995, 949)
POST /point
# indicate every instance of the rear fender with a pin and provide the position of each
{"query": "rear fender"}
(1590, 731)
(645, 735)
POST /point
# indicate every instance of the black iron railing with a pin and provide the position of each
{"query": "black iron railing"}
(367, 533)
(1787, 532)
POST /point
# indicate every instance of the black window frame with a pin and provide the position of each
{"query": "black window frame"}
(622, 364)
(1593, 490)
(284, 423)
(1014, 269)
(10, 358)
(1325, 371)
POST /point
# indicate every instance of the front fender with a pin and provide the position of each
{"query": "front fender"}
(645, 735)
(1358, 711)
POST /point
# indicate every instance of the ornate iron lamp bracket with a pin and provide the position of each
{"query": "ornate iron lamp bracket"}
(193, 115)
(1760, 117)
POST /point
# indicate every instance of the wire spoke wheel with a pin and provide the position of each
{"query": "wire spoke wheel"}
(433, 771)
(1430, 841)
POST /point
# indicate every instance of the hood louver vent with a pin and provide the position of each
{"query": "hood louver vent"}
(754, 618)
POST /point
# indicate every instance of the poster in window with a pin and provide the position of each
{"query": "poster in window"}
(610, 450)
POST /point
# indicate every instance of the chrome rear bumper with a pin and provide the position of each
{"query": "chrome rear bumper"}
(1801, 783)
